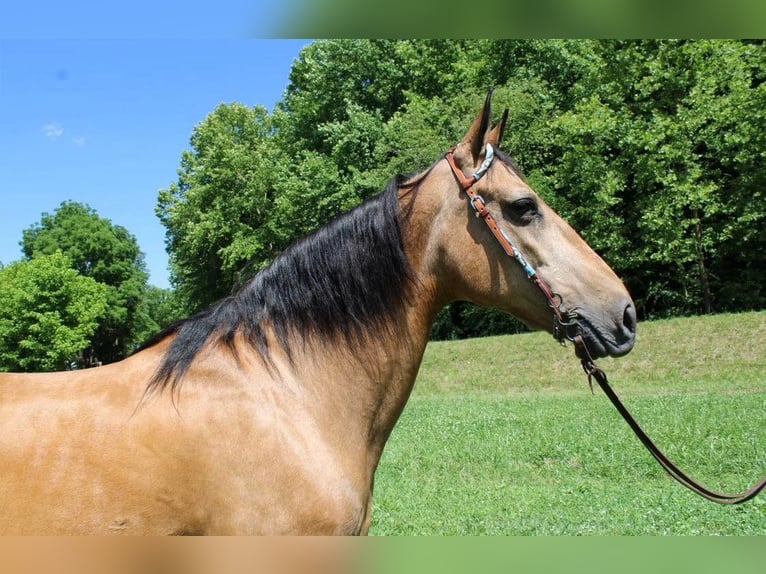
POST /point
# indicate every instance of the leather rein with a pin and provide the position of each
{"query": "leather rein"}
(567, 328)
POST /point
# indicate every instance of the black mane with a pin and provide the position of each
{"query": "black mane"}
(342, 280)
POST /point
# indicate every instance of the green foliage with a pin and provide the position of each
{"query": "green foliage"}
(216, 214)
(463, 320)
(656, 163)
(48, 313)
(158, 309)
(104, 252)
(331, 77)
(653, 150)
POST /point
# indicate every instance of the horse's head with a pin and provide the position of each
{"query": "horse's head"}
(477, 264)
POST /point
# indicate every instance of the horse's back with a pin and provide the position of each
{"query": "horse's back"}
(234, 451)
(74, 452)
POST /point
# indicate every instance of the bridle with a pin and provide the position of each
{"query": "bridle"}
(566, 327)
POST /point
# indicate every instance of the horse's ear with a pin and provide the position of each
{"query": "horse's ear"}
(476, 136)
(496, 133)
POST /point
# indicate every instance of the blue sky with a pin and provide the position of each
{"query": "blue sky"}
(104, 122)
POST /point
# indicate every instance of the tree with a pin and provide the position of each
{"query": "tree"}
(333, 79)
(48, 313)
(651, 149)
(217, 213)
(253, 182)
(704, 213)
(658, 167)
(104, 252)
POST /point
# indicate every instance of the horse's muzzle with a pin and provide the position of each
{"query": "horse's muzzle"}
(612, 334)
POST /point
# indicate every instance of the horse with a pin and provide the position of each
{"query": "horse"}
(267, 412)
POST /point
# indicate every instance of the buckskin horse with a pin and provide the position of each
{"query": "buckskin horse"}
(268, 412)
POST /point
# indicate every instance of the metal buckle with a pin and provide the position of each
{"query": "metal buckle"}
(473, 200)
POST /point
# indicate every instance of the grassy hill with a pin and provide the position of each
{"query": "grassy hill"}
(502, 436)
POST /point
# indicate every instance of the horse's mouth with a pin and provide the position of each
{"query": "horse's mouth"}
(602, 341)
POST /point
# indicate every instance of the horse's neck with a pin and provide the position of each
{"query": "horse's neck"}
(359, 392)
(397, 365)
(374, 381)
(396, 359)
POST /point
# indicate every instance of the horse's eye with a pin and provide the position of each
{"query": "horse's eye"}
(522, 211)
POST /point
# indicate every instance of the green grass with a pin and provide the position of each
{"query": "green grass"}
(502, 436)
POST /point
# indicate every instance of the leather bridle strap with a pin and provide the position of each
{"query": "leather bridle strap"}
(672, 468)
(566, 327)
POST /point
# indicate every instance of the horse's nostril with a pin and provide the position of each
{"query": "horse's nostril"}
(629, 318)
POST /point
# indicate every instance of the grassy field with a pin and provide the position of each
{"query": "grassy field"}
(503, 436)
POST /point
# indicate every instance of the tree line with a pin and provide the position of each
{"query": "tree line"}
(652, 149)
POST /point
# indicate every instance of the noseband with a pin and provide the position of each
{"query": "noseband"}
(566, 327)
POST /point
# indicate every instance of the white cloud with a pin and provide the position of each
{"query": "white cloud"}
(53, 130)
(79, 141)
